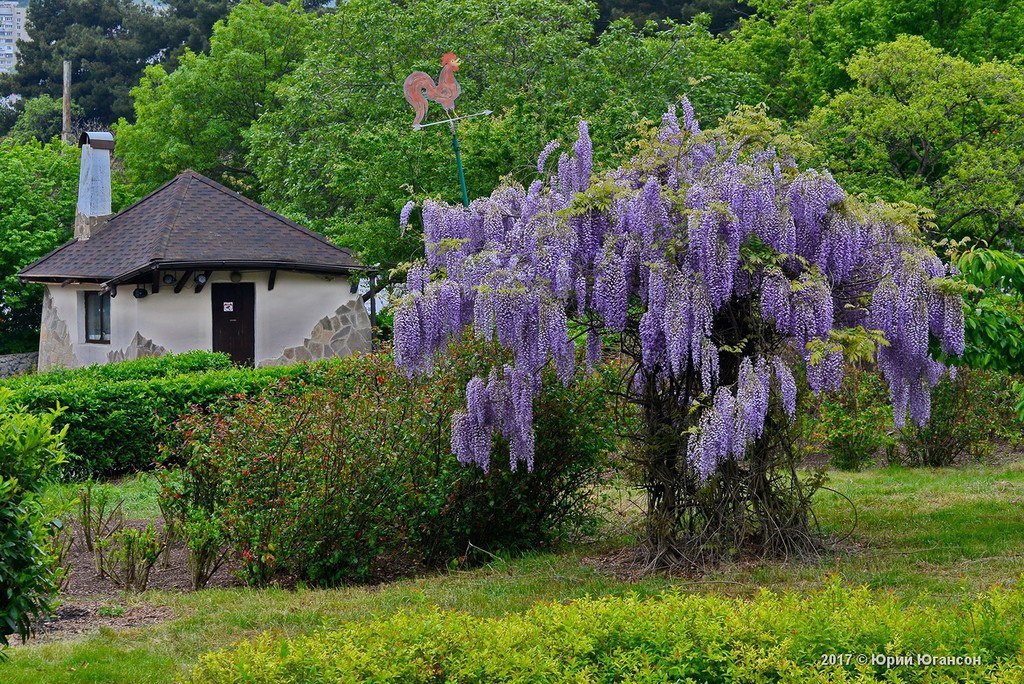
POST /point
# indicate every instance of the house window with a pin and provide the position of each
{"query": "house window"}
(97, 317)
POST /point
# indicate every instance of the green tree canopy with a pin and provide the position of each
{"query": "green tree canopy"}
(38, 191)
(340, 154)
(108, 43)
(800, 49)
(723, 14)
(41, 118)
(196, 116)
(924, 126)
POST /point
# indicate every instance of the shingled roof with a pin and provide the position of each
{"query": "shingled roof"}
(190, 222)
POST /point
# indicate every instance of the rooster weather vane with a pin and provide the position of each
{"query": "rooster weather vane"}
(420, 89)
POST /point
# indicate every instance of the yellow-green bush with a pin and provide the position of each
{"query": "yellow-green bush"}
(678, 638)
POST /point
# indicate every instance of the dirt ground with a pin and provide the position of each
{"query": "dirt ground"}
(90, 601)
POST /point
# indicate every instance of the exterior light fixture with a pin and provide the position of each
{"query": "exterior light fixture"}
(201, 279)
(113, 292)
(236, 277)
(354, 286)
(139, 292)
(169, 279)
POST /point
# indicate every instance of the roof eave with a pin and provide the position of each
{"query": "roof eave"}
(222, 265)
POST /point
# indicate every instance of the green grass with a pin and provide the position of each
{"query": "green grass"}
(930, 536)
(139, 493)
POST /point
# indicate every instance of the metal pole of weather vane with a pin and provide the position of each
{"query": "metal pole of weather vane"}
(420, 88)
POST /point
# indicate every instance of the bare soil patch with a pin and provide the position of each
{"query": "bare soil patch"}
(90, 601)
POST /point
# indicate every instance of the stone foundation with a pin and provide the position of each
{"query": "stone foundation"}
(17, 364)
(55, 348)
(138, 348)
(343, 334)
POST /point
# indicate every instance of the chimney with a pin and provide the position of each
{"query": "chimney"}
(93, 183)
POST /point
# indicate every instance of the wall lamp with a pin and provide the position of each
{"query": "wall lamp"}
(139, 292)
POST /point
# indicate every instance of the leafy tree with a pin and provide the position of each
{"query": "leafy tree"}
(715, 269)
(800, 49)
(8, 116)
(340, 155)
(197, 115)
(924, 126)
(723, 14)
(994, 321)
(108, 42)
(192, 22)
(38, 192)
(41, 119)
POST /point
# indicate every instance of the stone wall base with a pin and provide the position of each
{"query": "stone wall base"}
(343, 334)
(17, 364)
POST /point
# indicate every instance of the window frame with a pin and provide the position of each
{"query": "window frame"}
(104, 299)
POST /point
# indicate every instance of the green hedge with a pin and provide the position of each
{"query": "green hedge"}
(678, 638)
(118, 414)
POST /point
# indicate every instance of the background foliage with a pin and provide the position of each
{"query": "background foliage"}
(38, 191)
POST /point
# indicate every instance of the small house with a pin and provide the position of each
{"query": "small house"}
(193, 265)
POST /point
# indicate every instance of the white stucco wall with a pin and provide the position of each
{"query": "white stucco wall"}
(284, 316)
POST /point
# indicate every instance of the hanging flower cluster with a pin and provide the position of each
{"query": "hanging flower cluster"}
(670, 247)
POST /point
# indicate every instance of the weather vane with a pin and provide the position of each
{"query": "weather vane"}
(420, 87)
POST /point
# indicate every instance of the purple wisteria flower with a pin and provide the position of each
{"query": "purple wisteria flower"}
(666, 250)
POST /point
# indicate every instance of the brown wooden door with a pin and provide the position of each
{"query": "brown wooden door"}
(234, 321)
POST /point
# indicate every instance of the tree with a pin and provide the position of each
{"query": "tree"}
(800, 49)
(38, 192)
(41, 118)
(723, 14)
(715, 270)
(339, 153)
(197, 115)
(994, 322)
(928, 127)
(108, 42)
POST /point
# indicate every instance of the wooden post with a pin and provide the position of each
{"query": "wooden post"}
(65, 133)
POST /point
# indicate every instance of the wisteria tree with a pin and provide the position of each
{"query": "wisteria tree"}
(715, 273)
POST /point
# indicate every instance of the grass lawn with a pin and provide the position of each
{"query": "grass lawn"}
(928, 535)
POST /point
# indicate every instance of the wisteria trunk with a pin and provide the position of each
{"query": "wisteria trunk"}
(756, 506)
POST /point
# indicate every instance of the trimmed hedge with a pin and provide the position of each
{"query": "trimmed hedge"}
(678, 638)
(118, 414)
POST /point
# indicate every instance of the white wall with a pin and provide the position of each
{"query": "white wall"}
(285, 316)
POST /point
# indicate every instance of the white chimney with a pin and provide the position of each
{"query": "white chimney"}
(93, 183)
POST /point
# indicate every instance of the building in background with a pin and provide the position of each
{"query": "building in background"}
(13, 20)
(198, 266)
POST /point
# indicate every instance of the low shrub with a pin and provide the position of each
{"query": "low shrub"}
(117, 414)
(839, 634)
(127, 557)
(971, 414)
(856, 423)
(31, 449)
(350, 477)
